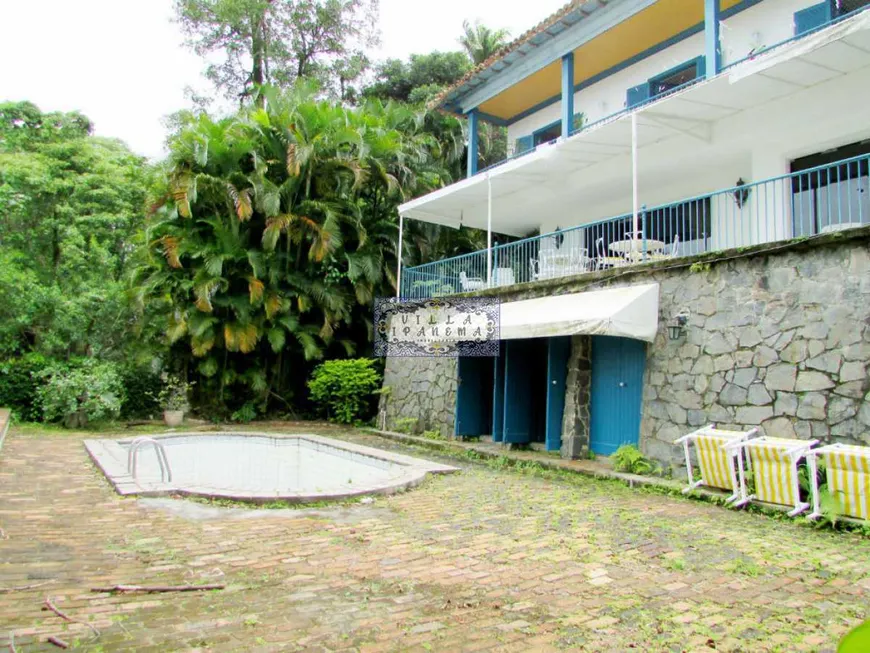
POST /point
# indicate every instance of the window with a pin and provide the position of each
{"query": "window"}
(667, 81)
(676, 77)
(549, 133)
(831, 196)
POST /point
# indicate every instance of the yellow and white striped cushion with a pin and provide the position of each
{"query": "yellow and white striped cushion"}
(774, 474)
(715, 463)
(848, 472)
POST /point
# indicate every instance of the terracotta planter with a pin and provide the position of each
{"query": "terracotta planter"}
(173, 417)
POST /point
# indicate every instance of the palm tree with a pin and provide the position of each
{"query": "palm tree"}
(481, 42)
(274, 231)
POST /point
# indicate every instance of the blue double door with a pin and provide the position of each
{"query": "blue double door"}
(519, 397)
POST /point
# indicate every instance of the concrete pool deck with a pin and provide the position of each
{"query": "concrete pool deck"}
(111, 456)
(489, 559)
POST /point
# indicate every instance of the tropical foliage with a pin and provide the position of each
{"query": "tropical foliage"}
(70, 208)
(481, 42)
(253, 251)
(274, 231)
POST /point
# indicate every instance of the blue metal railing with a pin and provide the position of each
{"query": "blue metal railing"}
(834, 20)
(826, 198)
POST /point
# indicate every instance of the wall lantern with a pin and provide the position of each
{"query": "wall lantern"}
(741, 194)
(677, 327)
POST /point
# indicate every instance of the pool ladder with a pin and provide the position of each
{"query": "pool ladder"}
(162, 460)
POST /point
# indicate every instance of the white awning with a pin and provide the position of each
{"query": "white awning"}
(803, 57)
(630, 312)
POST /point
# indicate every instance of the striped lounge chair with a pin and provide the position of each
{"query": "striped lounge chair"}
(847, 468)
(717, 464)
(774, 469)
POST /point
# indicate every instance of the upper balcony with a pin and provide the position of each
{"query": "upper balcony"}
(687, 152)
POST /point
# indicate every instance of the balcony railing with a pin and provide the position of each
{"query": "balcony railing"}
(818, 200)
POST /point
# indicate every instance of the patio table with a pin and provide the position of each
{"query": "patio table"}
(631, 246)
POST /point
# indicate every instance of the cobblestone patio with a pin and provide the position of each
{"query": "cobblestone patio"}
(486, 559)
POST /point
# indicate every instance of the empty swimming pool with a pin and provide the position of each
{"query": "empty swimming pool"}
(255, 466)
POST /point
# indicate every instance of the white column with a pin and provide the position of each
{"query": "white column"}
(488, 230)
(399, 257)
(634, 203)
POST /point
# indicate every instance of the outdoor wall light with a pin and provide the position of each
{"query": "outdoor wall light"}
(678, 326)
(741, 194)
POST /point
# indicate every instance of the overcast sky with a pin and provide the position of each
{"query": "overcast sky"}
(121, 62)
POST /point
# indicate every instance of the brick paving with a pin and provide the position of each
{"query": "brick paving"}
(486, 559)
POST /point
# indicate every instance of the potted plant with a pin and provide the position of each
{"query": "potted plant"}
(173, 398)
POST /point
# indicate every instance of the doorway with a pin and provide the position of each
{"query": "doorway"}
(617, 386)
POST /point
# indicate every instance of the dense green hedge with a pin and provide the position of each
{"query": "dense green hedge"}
(20, 383)
(21, 378)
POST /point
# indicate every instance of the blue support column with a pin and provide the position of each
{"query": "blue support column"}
(711, 38)
(567, 94)
(472, 142)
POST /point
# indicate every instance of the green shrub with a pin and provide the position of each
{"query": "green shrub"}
(343, 389)
(20, 379)
(77, 395)
(628, 458)
(245, 414)
(141, 388)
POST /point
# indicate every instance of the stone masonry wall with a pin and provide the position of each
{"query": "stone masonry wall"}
(778, 337)
(575, 418)
(421, 388)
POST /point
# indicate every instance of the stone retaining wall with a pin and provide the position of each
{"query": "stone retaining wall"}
(778, 336)
(421, 388)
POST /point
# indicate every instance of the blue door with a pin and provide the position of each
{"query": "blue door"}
(470, 411)
(558, 350)
(498, 397)
(617, 386)
(518, 416)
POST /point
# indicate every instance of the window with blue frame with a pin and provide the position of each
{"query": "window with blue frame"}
(668, 81)
(545, 134)
(819, 15)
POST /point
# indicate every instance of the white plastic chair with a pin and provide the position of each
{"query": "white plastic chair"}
(674, 252)
(605, 261)
(470, 284)
(503, 277)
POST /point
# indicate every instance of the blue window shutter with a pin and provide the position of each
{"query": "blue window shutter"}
(637, 94)
(812, 17)
(701, 67)
(524, 144)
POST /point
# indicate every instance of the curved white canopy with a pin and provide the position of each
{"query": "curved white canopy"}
(629, 312)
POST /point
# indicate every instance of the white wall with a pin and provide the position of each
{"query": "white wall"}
(764, 24)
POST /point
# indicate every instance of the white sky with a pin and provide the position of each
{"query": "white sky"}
(122, 63)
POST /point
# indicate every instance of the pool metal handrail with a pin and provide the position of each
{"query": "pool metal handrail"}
(162, 460)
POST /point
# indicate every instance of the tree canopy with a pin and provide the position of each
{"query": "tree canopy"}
(261, 42)
(481, 42)
(70, 207)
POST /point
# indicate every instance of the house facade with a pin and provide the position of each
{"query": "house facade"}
(680, 228)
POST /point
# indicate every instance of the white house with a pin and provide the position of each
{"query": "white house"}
(651, 131)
